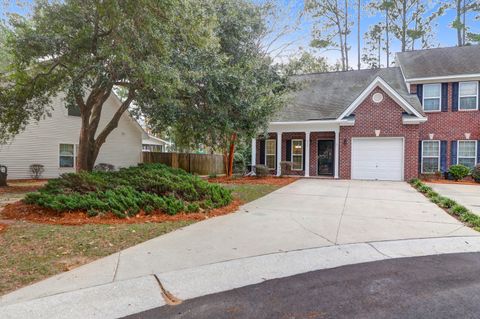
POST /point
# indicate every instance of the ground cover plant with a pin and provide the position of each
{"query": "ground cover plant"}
(453, 208)
(149, 188)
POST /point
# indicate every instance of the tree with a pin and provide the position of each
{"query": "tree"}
(331, 27)
(462, 8)
(237, 89)
(84, 49)
(305, 63)
(4, 56)
(359, 46)
(374, 39)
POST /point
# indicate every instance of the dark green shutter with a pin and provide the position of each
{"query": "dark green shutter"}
(444, 97)
(443, 156)
(304, 150)
(453, 153)
(288, 156)
(454, 96)
(419, 157)
(262, 152)
(420, 92)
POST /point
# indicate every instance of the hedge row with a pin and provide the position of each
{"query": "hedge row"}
(148, 188)
(451, 206)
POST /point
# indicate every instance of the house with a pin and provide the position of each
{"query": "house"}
(53, 142)
(419, 117)
(151, 143)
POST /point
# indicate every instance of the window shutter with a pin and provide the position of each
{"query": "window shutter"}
(454, 96)
(453, 152)
(444, 97)
(419, 157)
(420, 92)
(478, 152)
(262, 152)
(304, 154)
(288, 150)
(443, 156)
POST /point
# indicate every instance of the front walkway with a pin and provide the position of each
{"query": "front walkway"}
(309, 213)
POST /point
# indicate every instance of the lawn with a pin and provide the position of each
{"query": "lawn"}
(30, 252)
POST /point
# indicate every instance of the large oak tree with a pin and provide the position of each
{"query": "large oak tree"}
(84, 49)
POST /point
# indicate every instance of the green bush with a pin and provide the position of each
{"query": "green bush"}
(239, 163)
(476, 173)
(432, 193)
(458, 172)
(459, 210)
(447, 202)
(261, 171)
(424, 188)
(151, 187)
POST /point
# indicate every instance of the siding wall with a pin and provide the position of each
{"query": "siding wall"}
(39, 143)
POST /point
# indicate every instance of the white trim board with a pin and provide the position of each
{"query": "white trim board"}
(379, 82)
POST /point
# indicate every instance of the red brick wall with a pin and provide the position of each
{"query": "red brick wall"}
(385, 116)
(450, 126)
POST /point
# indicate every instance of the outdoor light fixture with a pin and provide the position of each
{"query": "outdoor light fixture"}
(467, 136)
(377, 133)
(431, 136)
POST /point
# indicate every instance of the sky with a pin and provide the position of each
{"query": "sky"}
(301, 37)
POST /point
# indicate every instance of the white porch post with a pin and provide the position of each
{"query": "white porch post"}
(279, 152)
(307, 154)
(337, 151)
(254, 152)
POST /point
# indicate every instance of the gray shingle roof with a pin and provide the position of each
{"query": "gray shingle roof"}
(324, 96)
(440, 62)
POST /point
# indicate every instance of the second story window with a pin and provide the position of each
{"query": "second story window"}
(431, 97)
(468, 95)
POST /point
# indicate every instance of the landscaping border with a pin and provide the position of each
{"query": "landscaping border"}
(453, 208)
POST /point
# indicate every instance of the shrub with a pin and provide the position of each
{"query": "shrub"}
(238, 163)
(432, 193)
(459, 210)
(261, 171)
(151, 187)
(445, 202)
(104, 167)
(458, 172)
(424, 188)
(36, 170)
(476, 173)
(212, 175)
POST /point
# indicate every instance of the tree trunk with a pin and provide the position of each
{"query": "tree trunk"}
(404, 26)
(346, 35)
(387, 40)
(464, 23)
(459, 30)
(358, 34)
(231, 154)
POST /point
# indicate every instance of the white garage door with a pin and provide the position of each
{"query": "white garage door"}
(377, 159)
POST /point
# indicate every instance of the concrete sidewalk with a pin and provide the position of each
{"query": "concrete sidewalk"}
(309, 213)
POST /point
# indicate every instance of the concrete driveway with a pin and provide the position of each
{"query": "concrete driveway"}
(309, 213)
(466, 195)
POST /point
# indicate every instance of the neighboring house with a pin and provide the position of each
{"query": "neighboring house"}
(383, 124)
(53, 142)
(151, 143)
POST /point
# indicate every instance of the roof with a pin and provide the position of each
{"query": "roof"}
(325, 96)
(440, 62)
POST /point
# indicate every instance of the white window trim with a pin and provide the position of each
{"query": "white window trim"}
(74, 156)
(459, 96)
(439, 156)
(458, 151)
(291, 154)
(439, 98)
(274, 154)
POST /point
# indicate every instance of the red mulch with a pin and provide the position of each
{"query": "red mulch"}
(3, 227)
(37, 214)
(22, 186)
(270, 180)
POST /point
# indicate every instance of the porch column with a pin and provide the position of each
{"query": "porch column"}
(337, 151)
(279, 153)
(254, 152)
(307, 154)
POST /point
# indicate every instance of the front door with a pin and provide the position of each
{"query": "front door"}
(325, 157)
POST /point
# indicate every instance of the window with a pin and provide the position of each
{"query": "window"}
(430, 156)
(431, 97)
(270, 151)
(467, 153)
(468, 96)
(297, 155)
(67, 155)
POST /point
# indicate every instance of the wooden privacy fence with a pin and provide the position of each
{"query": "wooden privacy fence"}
(201, 164)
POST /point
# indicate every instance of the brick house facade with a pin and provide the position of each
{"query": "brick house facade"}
(374, 123)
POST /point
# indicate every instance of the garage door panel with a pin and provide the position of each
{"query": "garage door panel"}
(377, 159)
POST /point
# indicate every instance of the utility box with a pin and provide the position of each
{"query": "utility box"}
(3, 175)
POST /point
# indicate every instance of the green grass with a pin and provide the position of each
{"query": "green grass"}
(31, 252)
(250, 192)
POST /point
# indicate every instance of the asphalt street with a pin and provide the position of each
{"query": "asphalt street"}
(441, 286)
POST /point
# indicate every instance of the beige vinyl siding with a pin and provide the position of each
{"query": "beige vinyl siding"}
(40, 142)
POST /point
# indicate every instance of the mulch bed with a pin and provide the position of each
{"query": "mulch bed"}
(446, 181)
(3, 227)
(37, 214)
(269, 180)
(21, 186)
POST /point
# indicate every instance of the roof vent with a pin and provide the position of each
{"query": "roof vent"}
(377, 97)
